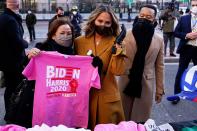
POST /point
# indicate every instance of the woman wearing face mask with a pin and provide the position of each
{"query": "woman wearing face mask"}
(100, 32)
(60, 39)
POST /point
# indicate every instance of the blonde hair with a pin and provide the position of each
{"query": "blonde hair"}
(89, 28)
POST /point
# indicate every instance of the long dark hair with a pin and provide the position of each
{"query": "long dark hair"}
(56, 24)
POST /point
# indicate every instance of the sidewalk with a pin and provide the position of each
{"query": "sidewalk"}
(168, 59)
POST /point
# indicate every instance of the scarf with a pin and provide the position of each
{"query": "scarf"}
(143, 31)
(51, 45)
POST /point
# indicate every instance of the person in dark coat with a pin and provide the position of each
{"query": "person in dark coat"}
(12, 49)
(30, 22)
(59, 13)
(186, 31)
(76, 20)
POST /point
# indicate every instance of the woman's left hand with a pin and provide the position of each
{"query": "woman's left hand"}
(33, 52)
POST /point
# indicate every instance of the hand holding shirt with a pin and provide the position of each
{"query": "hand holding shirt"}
(62, 88)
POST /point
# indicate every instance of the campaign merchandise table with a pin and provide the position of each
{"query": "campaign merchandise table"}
(51, 75)
(149, 125)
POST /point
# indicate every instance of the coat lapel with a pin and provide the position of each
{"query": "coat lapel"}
(189, 22)
(149, 50)
(104, 45)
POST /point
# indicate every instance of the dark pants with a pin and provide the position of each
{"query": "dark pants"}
(189, 53)
(12, 80)
(31, 32)
(169, 37)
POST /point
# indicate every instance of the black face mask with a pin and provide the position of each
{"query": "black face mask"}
(144, 25)
(143, 30)
(60, 15)
(103, 31)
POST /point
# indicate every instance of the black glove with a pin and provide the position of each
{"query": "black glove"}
(97, 62)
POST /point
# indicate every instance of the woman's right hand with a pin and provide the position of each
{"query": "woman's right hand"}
(33, 52)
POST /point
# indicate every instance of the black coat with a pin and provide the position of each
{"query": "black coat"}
(76, 20)
(183, 27)
(31, 20)
(12, 45)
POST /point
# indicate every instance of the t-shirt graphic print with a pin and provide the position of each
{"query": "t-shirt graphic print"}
(62, 88)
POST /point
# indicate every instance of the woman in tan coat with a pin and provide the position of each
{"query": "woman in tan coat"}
(100, 32)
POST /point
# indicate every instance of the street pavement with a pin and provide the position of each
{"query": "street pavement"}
(162, 113)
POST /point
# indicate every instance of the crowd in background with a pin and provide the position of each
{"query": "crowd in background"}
(138, 59)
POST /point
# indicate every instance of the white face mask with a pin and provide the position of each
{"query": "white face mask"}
(63, 40)
(29, 12)
(194, 10)
(74, 12)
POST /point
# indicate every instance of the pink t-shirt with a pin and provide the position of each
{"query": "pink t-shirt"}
(62, 88)
(12, 127)
(122, 126)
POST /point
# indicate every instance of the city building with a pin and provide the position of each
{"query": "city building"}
(86, 6)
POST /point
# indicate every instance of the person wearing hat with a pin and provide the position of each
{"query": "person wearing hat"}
(12, 50)
(76, 20)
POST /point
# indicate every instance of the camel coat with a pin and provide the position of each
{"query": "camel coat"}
(105, 104)
(153, 74)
